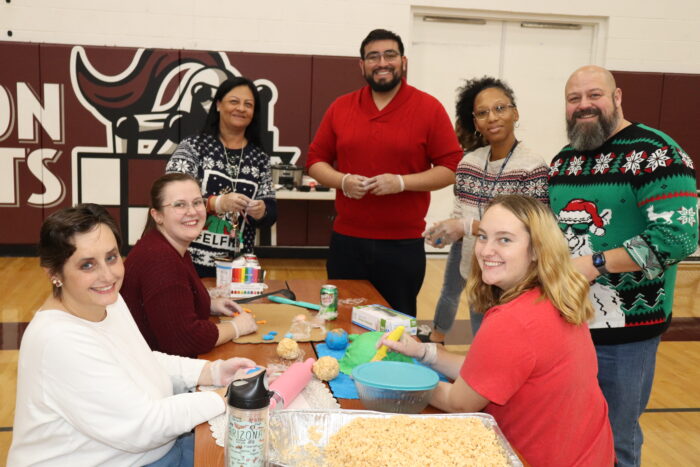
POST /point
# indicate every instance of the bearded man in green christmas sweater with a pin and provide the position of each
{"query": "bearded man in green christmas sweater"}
(625, 198)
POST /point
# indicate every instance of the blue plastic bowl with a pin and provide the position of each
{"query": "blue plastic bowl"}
(395, 387)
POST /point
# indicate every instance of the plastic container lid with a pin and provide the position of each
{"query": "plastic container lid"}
(249, 393)
(398, 376)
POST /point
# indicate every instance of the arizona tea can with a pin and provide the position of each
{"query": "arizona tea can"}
(329, 302)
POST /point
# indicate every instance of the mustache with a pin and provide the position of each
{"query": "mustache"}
(586, 112)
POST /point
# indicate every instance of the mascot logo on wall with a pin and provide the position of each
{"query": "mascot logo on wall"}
(163, 97)
(160, 98)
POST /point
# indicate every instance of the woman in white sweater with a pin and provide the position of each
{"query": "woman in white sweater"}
(89, 389)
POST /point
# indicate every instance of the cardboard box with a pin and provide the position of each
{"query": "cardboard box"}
(381, 318)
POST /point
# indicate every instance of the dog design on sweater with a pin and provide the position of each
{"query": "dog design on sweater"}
(580, 219)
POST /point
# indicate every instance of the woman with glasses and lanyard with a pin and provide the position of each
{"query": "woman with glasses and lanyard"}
(165, 295)
(494, 163)
(228, 160)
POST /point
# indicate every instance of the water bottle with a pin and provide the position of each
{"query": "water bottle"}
(247, 416)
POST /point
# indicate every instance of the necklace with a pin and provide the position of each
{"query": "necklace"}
(235, 234)
(495, 180)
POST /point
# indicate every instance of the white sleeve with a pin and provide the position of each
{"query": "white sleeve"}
(86, 385)
(457, 212)
(184, 372)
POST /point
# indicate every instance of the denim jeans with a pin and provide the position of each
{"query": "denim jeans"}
(625, 375)
(452, 286)
(475, 319)
(180, 455)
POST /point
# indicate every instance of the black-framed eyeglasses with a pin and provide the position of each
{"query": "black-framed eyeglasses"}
(182, 205)
(497, 110)
(375, 57)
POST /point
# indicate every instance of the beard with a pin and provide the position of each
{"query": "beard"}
(384, 86)
(586, 136)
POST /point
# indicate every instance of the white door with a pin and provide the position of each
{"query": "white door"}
(535, 62)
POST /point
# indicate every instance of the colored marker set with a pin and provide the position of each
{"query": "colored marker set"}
(247, 275)
(243, 290)
(244, 269)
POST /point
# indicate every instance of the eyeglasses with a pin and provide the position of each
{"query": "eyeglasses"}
(498, 110)
(182, 205)
(375, 57)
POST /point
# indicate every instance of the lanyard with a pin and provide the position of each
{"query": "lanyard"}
(495, 181)
(235, 232)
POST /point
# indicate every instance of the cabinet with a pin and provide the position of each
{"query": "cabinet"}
(303, 219)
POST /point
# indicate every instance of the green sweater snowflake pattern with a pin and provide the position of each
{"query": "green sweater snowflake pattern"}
(636, 191)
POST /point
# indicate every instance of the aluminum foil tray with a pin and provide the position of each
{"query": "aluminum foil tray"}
(291, 432)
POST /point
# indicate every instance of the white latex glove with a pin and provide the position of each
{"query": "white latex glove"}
(243, 324)
(355, 186)
(384, 184)
(256, 209)
(224, 371)
(224, 306)
(233, 202)
(406, 345)
(445, 232)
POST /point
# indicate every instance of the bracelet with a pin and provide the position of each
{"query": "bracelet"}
(430, 355)
(217, 204)
(403, 186)
(342, 185)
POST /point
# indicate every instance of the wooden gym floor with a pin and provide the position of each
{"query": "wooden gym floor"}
(671, 423)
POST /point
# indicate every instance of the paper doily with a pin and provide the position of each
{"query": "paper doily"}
(314, 396)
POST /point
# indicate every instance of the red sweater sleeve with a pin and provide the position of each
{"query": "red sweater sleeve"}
(323, 146)
(443, 145)
(173, 304)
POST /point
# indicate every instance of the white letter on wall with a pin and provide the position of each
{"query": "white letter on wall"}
(7, 113)
(55, 190)
(30, 112)
(9, 183)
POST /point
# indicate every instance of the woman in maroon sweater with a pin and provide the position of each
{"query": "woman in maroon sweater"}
(169, 303)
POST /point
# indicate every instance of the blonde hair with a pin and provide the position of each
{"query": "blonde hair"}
(552, 270)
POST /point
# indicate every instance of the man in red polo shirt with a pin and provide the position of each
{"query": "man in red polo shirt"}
(384, 147)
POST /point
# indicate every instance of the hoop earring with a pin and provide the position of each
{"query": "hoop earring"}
(56, 282)
(477, 135)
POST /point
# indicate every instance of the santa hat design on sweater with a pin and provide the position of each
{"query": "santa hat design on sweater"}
(580, 211)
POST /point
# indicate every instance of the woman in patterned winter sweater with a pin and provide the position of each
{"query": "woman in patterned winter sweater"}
(494, 163)
(228, 160)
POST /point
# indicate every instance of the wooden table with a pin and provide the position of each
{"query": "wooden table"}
(206, 452)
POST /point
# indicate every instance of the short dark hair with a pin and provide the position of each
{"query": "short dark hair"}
(56, 243)
(380, 35)
(254, 131)
(465, 107)
(157, 194)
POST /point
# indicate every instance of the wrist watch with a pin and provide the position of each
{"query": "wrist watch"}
(599, 263)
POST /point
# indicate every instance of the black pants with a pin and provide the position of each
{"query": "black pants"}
(396, 268)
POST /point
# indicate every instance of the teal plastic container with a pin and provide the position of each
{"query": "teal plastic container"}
(395, 387)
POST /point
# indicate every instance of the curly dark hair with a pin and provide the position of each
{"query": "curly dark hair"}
(465, 106)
